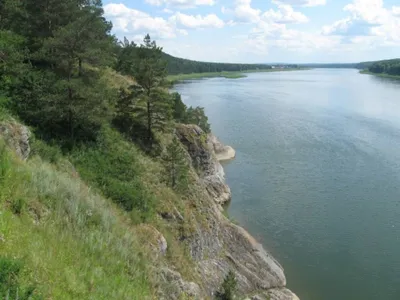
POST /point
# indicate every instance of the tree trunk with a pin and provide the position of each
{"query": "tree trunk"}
(80, 67)
(70, 112)
(149, 117)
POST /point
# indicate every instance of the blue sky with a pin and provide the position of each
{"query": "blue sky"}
(296, 31)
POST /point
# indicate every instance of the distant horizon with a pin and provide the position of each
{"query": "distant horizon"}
(285, 63)
(250, 31)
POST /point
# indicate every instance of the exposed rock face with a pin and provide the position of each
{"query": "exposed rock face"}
(17, 138)
(276, 294)
(201, 148)
(177, 287)
(221, 151)
(222, 246)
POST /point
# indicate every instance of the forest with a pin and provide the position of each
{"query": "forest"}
(186, 66)
(387, 67)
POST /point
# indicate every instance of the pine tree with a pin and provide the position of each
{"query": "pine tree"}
(155, 110)
(176, 165)
(197, 116)
(228, 287)
(63, 96)
(150, 72)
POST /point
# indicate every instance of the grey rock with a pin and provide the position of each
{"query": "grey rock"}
(220, 246)
(200, 147)
(276, 294)
(222, 152)
(174, 287)
(17, 138)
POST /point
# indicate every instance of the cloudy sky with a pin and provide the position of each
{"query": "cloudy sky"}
(263, 30)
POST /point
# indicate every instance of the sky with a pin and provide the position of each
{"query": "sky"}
(263, 31)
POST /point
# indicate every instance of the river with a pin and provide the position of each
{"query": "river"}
(317, 174)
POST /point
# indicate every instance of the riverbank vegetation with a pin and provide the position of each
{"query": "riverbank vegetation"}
(229, 75)
(384, 68)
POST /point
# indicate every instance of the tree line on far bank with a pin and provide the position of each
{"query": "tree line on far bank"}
(390, 67)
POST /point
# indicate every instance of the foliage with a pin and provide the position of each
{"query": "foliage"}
(147, 103)
(46, 55)
(179, 108)
(112, 165)
(389, 67)
(185, 66)
(78, 248)
(197, 116)
(190, 115)
(176, 165)
(228, 287)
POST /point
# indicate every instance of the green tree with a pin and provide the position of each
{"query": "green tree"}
(150, 72)
(228, 287)
(127, 57)
(12, 56)
(179, 108)
(176, 165)
(154, 110)
(65, 96)
(197, 116)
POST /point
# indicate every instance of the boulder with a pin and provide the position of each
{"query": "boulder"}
(17, 138)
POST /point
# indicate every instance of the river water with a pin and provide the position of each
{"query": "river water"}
(317, 174)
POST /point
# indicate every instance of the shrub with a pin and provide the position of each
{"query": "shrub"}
(228, 287)
(112, 166)
(47, 151)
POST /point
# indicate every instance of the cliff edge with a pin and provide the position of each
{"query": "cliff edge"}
(222, 246)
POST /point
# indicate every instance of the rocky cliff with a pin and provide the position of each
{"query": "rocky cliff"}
(222, 246)
(215, 245)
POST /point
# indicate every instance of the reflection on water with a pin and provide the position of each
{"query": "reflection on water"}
(317, 174)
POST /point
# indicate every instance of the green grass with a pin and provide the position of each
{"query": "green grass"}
(71, 242)
(383, 75)
(231, 75)
(112, 165)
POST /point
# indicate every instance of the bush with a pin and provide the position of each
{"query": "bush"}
(228, 287)
(47, 151)
(112, 166)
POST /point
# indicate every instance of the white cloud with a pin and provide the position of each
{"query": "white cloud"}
(396, 10)
(181, 3)
(243, 12)
(285, 15)
(308, 3)
(167, 11)
(135, 22)
(188, 21)
(370, 23)
(269, 34)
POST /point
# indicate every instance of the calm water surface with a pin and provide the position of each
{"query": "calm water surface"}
(317, 174)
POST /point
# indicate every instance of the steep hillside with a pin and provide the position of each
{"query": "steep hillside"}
(110, 186)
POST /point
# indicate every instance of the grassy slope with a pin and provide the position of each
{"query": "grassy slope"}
(71, 241)
(230, 75)
(383, 75)
(74, 243)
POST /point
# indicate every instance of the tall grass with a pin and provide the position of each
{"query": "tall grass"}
(73, 243)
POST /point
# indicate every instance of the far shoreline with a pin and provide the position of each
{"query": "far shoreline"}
(173, 79)
(382, 75)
